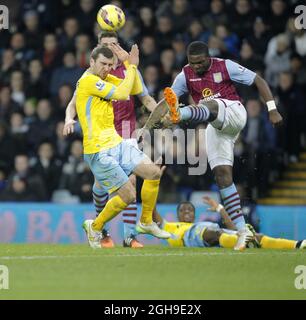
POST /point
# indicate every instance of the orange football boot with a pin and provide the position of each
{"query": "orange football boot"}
(106, 241)
(173, 105)
(132, 242)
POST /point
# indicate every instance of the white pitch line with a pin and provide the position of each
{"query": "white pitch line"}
(118, 255)
(140, 255)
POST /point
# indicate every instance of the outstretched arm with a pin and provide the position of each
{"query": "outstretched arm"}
(217, 207)
(70, 115)
(245, 76)
(265, 92)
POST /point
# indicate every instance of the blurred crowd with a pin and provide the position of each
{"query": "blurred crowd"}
(47, 48)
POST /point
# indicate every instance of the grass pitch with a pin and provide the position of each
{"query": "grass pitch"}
(43, 271)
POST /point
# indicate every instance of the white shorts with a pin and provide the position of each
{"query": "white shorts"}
(220, 140)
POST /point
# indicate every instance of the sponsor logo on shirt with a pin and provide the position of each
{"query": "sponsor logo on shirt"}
(208, 94)
(100, 85)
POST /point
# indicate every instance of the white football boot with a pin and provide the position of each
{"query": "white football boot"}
(244, 237)
(94, 237)
(152, 229)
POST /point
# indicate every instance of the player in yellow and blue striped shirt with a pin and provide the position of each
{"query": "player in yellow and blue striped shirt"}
(110, 158)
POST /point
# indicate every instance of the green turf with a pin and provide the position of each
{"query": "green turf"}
(78, 272)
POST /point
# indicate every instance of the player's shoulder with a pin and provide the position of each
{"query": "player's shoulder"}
(89, 79)
(234, 66)
(218, 60)
(185, 69)
(87, 76)
(227, 63)
(111, 77)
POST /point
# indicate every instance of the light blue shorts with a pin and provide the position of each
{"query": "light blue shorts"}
(194, 236)
(112, 167)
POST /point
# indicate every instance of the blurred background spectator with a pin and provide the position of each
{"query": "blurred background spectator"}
(47, 167)
(34, 185)
(76, 176)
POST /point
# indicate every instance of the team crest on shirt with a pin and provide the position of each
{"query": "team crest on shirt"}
(100, 85)
(217, 77)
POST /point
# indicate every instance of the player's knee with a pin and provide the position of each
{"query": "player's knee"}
(132, 194)
(211, 237)
(127, 193)
(132, 198)
(223, 176)
(129, 197)
(213, 108)
(155, 173)
(132, 179)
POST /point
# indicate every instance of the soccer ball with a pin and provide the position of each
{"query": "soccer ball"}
(111, 18)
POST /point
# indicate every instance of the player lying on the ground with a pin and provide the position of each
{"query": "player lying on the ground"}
(187, 233)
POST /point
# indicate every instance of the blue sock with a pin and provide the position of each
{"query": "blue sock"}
(195, 113)
(129, 217)
(231, 201)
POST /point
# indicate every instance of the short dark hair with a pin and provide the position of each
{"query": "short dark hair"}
(182, 203)
(106, 52)
(196, 48)
(107, 34)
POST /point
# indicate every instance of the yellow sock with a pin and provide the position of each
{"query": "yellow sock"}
(228, 240)
(149, 193)
(276, 243)
(112, 208)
